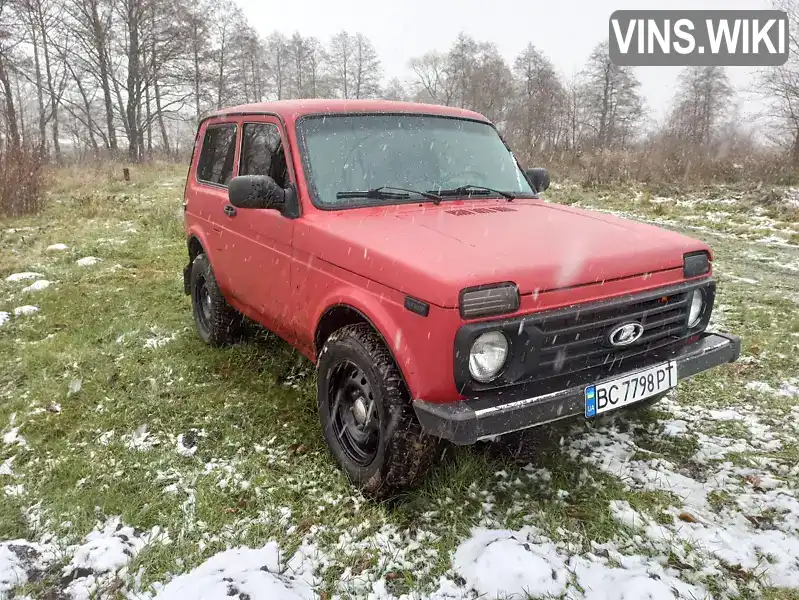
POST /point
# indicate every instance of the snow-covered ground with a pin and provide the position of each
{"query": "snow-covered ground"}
(667, 554)
(699, 500)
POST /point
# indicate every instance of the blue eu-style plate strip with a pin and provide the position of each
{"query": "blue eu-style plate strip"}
(590, 401)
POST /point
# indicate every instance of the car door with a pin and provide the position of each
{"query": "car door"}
(258, 241)
(215, 168)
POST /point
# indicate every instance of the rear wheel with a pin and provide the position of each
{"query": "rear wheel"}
(217, 322)
(366, 416)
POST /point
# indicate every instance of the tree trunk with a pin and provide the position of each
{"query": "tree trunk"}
(39, 93)
(196, 73)
(134, 81)
(102, 59)
(121, 106)
(54, 99)
(21, 114)
(148, 117)
(795, 148)
(221, 76)
(11, 113)
(160, 113)
(89, 121)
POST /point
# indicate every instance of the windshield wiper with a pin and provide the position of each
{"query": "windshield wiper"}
(471, 189)
(384, 193)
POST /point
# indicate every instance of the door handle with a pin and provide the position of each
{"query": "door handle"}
(230, 210)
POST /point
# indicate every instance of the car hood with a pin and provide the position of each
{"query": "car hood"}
(432, 252)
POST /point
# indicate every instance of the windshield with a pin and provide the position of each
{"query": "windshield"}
(345, 153)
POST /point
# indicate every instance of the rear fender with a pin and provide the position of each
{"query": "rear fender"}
(202, 239)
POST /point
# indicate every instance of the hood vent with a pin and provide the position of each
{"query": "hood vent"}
(462, 212)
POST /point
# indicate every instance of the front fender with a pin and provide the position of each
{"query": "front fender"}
(385, 316)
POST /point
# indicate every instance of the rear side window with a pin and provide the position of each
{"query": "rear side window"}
(262, 152)
(218, 154)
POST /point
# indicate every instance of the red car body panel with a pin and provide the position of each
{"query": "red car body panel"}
(287, 273)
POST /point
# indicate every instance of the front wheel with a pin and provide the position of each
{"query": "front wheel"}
(366, 416)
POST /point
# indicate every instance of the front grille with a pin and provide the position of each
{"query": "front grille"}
(570, 345)
(578, 341)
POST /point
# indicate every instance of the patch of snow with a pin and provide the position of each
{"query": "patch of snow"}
(744, 279)
(37, 286)
(725, 415)
(5, 467)
(773, 240)
(4, 317)
(258, 574)
(158, 341)
(140, 439)
(57, 247)
(760, 386)
(88, 261)
(675, 428)
(758, 532)
(506, 563)
(626, 515)
(74, 387)
(186, 445)
(789, 390)
(25, 310)
(522, 564)
(22, 561)
(13, 437)
(23, 276)
(14, 490)
(103, 557)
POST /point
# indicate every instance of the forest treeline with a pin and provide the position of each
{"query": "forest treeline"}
(131, 78)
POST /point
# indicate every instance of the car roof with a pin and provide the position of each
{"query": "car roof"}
(291, 110)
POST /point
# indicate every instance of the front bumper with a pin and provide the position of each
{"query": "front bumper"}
(468, 421)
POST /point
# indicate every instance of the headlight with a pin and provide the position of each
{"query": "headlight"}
(697, 308)
(487, 356)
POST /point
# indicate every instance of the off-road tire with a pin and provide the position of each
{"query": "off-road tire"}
(221, 324)
(404, 451)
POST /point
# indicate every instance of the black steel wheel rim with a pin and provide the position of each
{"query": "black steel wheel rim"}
(203, 302)
(354, 417)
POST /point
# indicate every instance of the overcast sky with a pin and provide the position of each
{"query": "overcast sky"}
(564, 30)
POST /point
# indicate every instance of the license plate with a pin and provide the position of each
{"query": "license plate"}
(631, 388)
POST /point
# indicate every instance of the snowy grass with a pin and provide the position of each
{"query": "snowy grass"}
(136, 463)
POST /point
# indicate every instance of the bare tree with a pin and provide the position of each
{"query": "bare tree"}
(395, 90)
(613, 103)
(7, 46)
(471, 75)
(433, 83)
(366, 68)
(340, 58)
(43, 21)
(277, 63)
(537, 119)
(89, 26)
(779, 88)
(702, 99)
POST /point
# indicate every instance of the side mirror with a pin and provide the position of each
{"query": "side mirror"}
(539, 178)
(255, 191)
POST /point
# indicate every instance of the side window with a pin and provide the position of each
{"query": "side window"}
(262, 152)
(217, 155)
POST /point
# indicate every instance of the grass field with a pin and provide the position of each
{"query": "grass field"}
(131, 454)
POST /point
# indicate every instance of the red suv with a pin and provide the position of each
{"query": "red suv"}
(403, 250)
